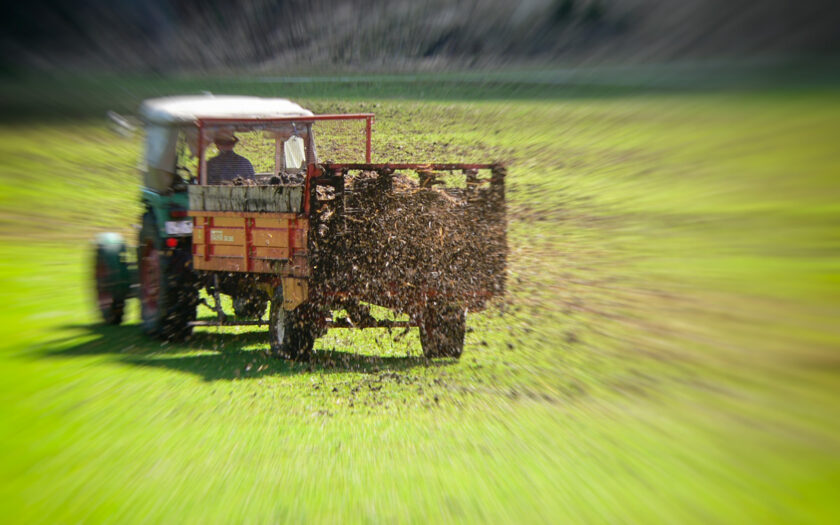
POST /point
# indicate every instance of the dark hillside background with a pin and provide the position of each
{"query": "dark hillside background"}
(368, 35)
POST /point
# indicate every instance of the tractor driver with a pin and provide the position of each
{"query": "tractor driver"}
(227, 165)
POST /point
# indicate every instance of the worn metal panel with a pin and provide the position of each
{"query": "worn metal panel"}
(260, 222)
(225, 250)
(196, 196)
(274, 199)
(277, 238)
(226, 236)
(232, 241)
(235, 222)
(260, 252)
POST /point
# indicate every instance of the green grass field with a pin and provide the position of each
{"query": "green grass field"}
(667, 353)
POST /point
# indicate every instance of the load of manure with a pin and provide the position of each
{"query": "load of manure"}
(402, 243)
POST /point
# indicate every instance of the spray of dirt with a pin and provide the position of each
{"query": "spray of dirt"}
(405, 244)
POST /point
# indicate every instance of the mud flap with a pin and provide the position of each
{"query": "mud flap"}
(295, 291)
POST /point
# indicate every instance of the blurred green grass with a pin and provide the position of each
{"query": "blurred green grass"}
(667, 352)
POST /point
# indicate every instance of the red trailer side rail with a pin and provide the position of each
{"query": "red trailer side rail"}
(409, 166)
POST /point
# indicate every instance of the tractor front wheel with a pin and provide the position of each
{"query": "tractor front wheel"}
(111, 277)
(442, 331)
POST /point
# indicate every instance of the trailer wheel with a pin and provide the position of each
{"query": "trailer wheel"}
(442, 331)
(111, 276)
(168, 297)
(291, 333)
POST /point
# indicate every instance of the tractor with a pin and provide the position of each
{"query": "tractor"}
(323, 243)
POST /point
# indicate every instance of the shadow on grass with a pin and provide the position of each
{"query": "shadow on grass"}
(216, 356)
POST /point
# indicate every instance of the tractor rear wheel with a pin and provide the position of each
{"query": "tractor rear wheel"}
(291, 332)
(168, 296)
(442, 331)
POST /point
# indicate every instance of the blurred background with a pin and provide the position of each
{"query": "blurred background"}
(369, 36)
(667, 350)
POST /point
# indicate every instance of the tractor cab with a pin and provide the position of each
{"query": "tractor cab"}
(183, 133)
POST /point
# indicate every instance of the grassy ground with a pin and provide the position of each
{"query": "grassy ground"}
(667, 352)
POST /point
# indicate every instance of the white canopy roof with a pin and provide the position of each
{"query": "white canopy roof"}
(185, 109)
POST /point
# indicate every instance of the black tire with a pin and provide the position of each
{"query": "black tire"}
(442, 331)
(249, 307)
(111, 286)
(291, 333)
(168, 295)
